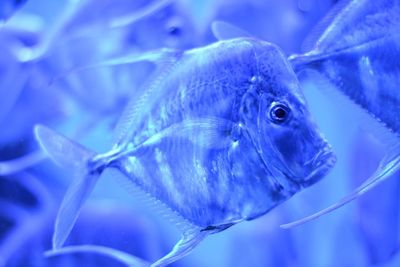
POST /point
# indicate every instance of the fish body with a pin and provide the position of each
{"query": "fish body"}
(359, 53)
(223, 136)
(129, 25)
(209, 94)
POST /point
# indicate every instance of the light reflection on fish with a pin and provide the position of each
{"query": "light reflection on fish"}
(223, 135)
(359, 52)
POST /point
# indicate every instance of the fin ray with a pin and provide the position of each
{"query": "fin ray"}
(19, 164)
(318, 30)
(187, 243)
(137, 107)
(389, 165)
(71, 155)
(118, 255)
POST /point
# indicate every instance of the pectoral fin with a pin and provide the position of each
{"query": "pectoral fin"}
(389, 165)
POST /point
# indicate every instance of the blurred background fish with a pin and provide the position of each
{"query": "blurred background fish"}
(361, 36)
(9, 7)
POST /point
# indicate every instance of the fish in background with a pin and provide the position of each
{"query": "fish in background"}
(22, 94)
(9, 7)
(130, 27)
(211, 168)
(284, 23)
(75, 41)
(357, 51)
(140, 24)
(27, 211)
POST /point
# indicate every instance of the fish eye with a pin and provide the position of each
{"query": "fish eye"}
(174, 26)
(279, 112)
(174, 31)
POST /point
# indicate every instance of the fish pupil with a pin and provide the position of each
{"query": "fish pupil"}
(174, 31)
(280, 113)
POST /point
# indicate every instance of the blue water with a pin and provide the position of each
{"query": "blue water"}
(42, 81)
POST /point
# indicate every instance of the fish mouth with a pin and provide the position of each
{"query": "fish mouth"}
(321, 165)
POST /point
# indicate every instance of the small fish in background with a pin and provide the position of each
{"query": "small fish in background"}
(37, 56)
(140, 24)
(22, 89)
(357, 51)
(9, 7)
(131, 28)
(234, 113)
(26, 222)
(284, 23)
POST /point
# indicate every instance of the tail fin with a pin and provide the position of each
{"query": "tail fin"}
(72, 156)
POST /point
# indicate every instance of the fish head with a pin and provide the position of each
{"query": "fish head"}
(277, 120)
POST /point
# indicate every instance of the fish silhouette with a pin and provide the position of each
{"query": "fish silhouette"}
(357, 51)
(222, 135)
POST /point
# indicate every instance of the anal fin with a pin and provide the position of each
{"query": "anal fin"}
(184, 246)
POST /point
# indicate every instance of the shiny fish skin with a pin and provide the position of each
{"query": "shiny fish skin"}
(223, 136)
(213, 185)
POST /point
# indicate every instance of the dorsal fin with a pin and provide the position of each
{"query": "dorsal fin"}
(351, 23)
(137, 107)
(321, 26)
(224, 31)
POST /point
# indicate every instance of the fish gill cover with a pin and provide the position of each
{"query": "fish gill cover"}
(186, 132)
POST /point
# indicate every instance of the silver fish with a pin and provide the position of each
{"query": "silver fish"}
(223, 135)
(358, 51)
